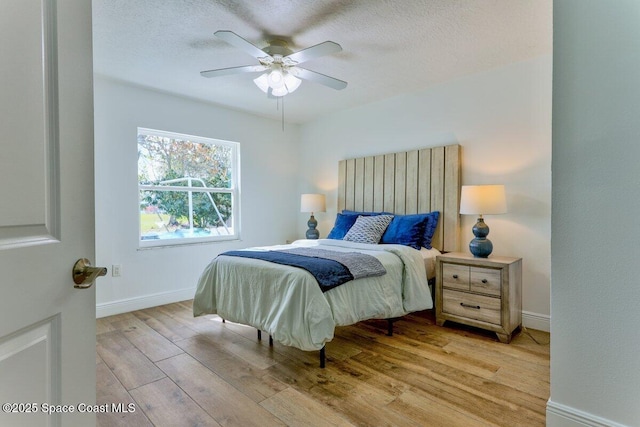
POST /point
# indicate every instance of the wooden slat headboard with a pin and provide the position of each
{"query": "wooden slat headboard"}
(409, 182)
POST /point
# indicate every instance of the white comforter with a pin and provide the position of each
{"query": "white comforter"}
(287, 302)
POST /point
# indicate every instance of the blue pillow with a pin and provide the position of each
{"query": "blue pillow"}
(404, 225)
(348, 212)
(406, 230)
(430, 228)
(342, 225)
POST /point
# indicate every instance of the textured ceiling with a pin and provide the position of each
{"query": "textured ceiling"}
(389, 47)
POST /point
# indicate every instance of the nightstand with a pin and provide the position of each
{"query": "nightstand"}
(481, 292)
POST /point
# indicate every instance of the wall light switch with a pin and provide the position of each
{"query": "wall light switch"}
(116, 270)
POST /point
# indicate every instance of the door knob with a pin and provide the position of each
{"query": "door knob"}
(84, 274)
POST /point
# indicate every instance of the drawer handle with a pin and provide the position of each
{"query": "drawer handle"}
(477, 307)
(484, 280)
(455, 276)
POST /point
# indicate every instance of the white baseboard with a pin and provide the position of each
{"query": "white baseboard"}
(540, 322)
(559, 415)
(146, 301)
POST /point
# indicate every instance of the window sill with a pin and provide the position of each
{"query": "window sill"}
(176, 243)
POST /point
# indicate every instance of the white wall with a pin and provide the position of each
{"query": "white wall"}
(595, 347)
(502, 119)
(269, 191)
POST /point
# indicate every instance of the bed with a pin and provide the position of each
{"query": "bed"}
(288, 303)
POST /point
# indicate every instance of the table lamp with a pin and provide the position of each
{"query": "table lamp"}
(312, 203)
(482, 200)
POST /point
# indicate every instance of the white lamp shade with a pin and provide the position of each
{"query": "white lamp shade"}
(279, 91)
(291, 82)
(312, 203)
(276, 79)
(483, 200)
(262, 82)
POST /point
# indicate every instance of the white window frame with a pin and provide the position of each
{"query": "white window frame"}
(234, 191)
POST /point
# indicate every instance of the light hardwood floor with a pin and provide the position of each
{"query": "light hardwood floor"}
(183, 371)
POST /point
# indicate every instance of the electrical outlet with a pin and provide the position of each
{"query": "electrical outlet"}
(116, 270)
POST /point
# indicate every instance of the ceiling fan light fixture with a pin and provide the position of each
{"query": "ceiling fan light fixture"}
(281, 83)
(280, 91)
(262, 82)
(276, 79)
(291, 82)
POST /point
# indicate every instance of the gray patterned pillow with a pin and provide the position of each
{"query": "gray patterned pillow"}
(368, 229)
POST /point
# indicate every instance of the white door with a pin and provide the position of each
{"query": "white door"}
(47, 328)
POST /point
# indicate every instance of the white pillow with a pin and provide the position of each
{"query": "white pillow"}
(368, 229)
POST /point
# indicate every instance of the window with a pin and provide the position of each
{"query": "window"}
(188, 188)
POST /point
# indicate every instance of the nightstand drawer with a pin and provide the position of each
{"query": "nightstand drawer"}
(455, 276)
(485, 280)
(472, 306)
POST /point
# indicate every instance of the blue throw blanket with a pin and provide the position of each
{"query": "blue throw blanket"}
(330, 268)
(328, 273)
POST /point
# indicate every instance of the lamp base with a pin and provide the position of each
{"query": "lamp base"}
(480, 247)
(312, 233)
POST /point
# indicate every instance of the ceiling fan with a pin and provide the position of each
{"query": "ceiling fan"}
(282, 75)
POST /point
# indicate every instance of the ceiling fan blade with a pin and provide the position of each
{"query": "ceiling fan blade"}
(325, 48)
(237, 41)
(316, 77)
(234, 70)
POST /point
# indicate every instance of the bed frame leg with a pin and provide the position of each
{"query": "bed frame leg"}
(260, 337)
(322, 358)
(389, 327)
